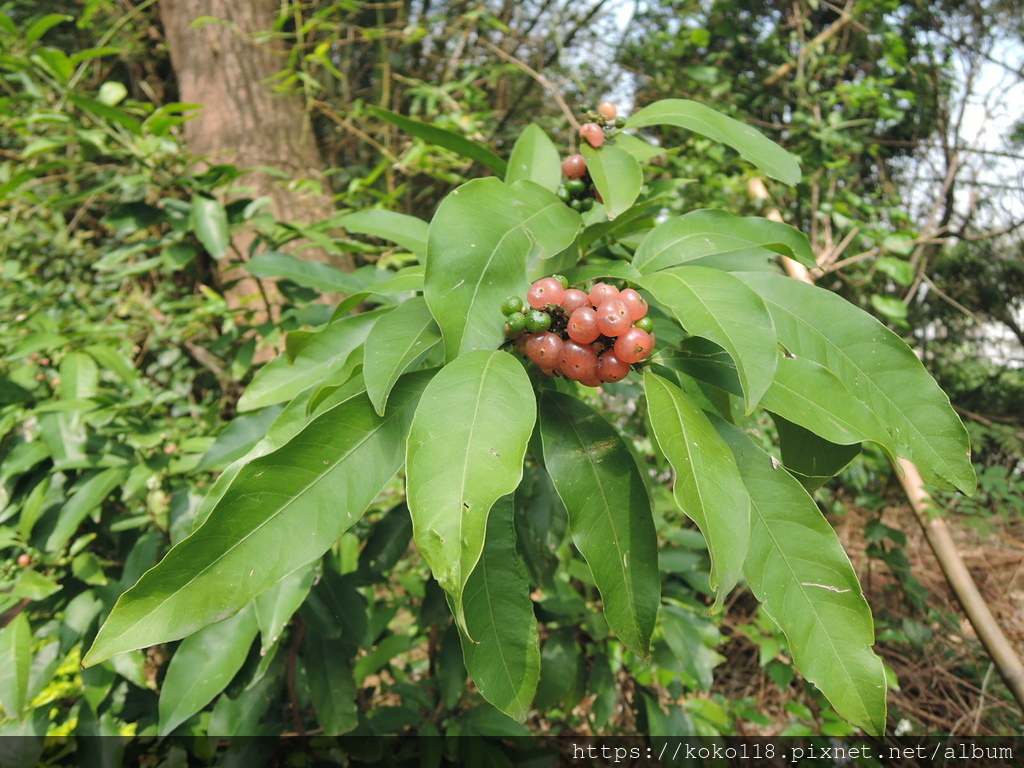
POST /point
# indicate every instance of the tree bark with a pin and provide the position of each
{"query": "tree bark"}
(219, 63)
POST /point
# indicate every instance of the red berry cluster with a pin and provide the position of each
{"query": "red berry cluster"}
(592, 338)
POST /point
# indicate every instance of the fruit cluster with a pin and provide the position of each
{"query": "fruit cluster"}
(592, 338)
(578, 190)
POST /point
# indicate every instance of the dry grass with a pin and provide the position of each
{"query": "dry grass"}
(947, 683)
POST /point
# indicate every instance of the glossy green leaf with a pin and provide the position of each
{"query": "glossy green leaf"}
(202, 666)
(617, 176)
(708, 486)
(535, 157)
(638, 148)
(482, 238)
(878, 369)
(315, 357)
(808, 394)
(15, 665)
(281, 511)
(397, 342)
(444, 138)
(717, 238)
(504, 656)
(401, 228)
(466, 449)
(811, 459)
(210, 223)
(332, 684)
(609, 510)
(716, 305)
(751, 144)
(796, 566)
(311, 274)
(275, 607)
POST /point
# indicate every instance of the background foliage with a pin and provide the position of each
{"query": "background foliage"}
(124, 366)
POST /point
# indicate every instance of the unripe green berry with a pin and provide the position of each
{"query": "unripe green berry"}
(562, 279)
(537, 321)
(563, 194)
(644, 324)
(512, 304)
(515, 324)
(576, 187)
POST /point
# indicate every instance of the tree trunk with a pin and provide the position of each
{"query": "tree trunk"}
(219, 64)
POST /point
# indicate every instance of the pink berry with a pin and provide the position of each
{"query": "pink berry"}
(634, 345)
(545, 349)
(582, 326)
(545, 291)
(573, 299)
(601, 292)
(593, 134)
(610, 368)
(613, 317)
(607, 110)
(636, 303)
(578, 361)
(574, 166)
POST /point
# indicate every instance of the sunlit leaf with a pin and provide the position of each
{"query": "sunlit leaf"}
(708, 486)
(482, 239)
(878, 369)
(465, 451)
(281, 511)
(714, 305)
(534, 157)
(796, 566)
(751, 144)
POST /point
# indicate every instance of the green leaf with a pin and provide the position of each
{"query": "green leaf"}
(504, 660)
(79, 376)
(752, 145)
(107, 112)
(408, 231)
(202, 666)
(44, 24)
(714, 305)
(811, 459)
(275, 606)
(397, 342)
(316, 356)
(638, 148)
(796, 566)
(535, 157)
(86, 497)
(708, 486)
(444, 138)
(32, 585)
(878, 369)
(617, 176)
(810, 395)
(15, 665)
(482, 238)
(717, 238)
(209, 221)
(311, 274)
(609, 510)
(465, 451)
(281, 511)
(332, 684)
